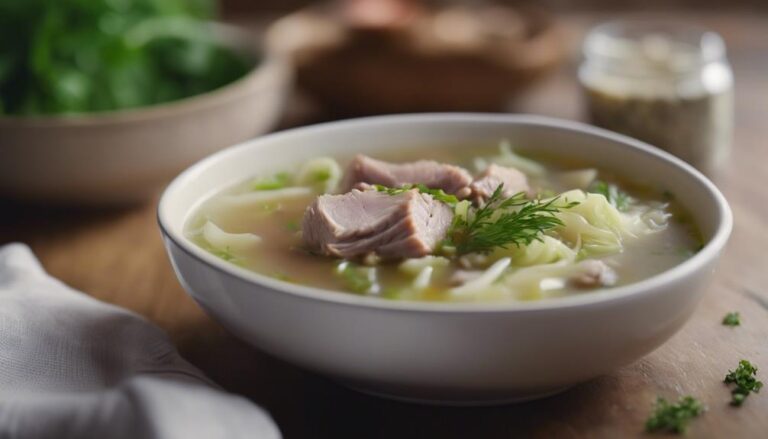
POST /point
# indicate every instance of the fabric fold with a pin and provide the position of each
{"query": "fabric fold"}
(74, 367)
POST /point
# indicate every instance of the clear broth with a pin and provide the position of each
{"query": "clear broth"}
(281, 255)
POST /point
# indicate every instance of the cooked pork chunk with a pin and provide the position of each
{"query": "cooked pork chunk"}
(596, 274)
(358, 223)
(365, 170)
(486, 183)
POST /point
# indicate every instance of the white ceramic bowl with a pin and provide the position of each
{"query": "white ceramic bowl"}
(447, 352)
(127, 156)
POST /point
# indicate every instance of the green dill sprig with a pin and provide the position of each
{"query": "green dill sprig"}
(673, 418)
(437, 194)
(504, 221)
(618, 198)
(732, 319)
(746, 383)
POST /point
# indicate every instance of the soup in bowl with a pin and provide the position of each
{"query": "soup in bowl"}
(460, 258)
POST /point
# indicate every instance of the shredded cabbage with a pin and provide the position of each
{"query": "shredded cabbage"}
(229, 242)
(546, 251)
(250, 199)
(588, 238)
(507, 157)
(655, 218)
(532, 283)
(461, 210)
(415, 266)
(421, 269)
(594, 223)
(595, 208)
(483, 281)
(358, 278)
(323, 173)
(598, 227)
(422, 280)
(577, 179)
(535, 282)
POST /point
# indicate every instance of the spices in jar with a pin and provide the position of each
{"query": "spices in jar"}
(666, 84)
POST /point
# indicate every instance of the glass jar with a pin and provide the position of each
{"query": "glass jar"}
(667, 84)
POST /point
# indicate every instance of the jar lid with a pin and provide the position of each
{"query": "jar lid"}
(642, 47)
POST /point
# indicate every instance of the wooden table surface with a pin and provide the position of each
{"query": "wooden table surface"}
(117, 256)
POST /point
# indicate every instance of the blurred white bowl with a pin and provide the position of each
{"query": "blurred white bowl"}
(126, 156)
(456, 353)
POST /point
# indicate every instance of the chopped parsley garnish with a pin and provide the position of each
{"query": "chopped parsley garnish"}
(744, 378)
(292, 226)
(673, 418)
(277, 181)
(504, 221)
(618, 198)
(732, 319)
(437, 194)
(225, 254)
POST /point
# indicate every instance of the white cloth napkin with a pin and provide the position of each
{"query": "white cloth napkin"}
(74, 367)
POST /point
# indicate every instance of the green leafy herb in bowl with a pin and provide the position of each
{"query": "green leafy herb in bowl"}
(103, 101)
(85, 56)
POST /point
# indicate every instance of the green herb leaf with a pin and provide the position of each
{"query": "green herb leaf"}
(746, 383)
(732, 319)
(618, 198)
(504, 221)
(277, 181)
(321, 175)
(673, 418)
(225, 254)
(64, 57)
(292, 226)
(437, 194)
(355, 277)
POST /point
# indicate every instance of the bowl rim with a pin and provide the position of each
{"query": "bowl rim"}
(707, 254)
(270, 63)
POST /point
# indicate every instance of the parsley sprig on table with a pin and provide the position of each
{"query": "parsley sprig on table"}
(732, 319)
(746, 383)
(673, 418)
(501, 222)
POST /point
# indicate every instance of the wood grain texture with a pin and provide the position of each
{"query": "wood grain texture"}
(117, 256)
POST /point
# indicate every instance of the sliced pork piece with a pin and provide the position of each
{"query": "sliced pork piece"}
(358, 223)
(486, 183)
(364, 170)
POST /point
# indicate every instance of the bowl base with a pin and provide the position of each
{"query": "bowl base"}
(470, 400)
